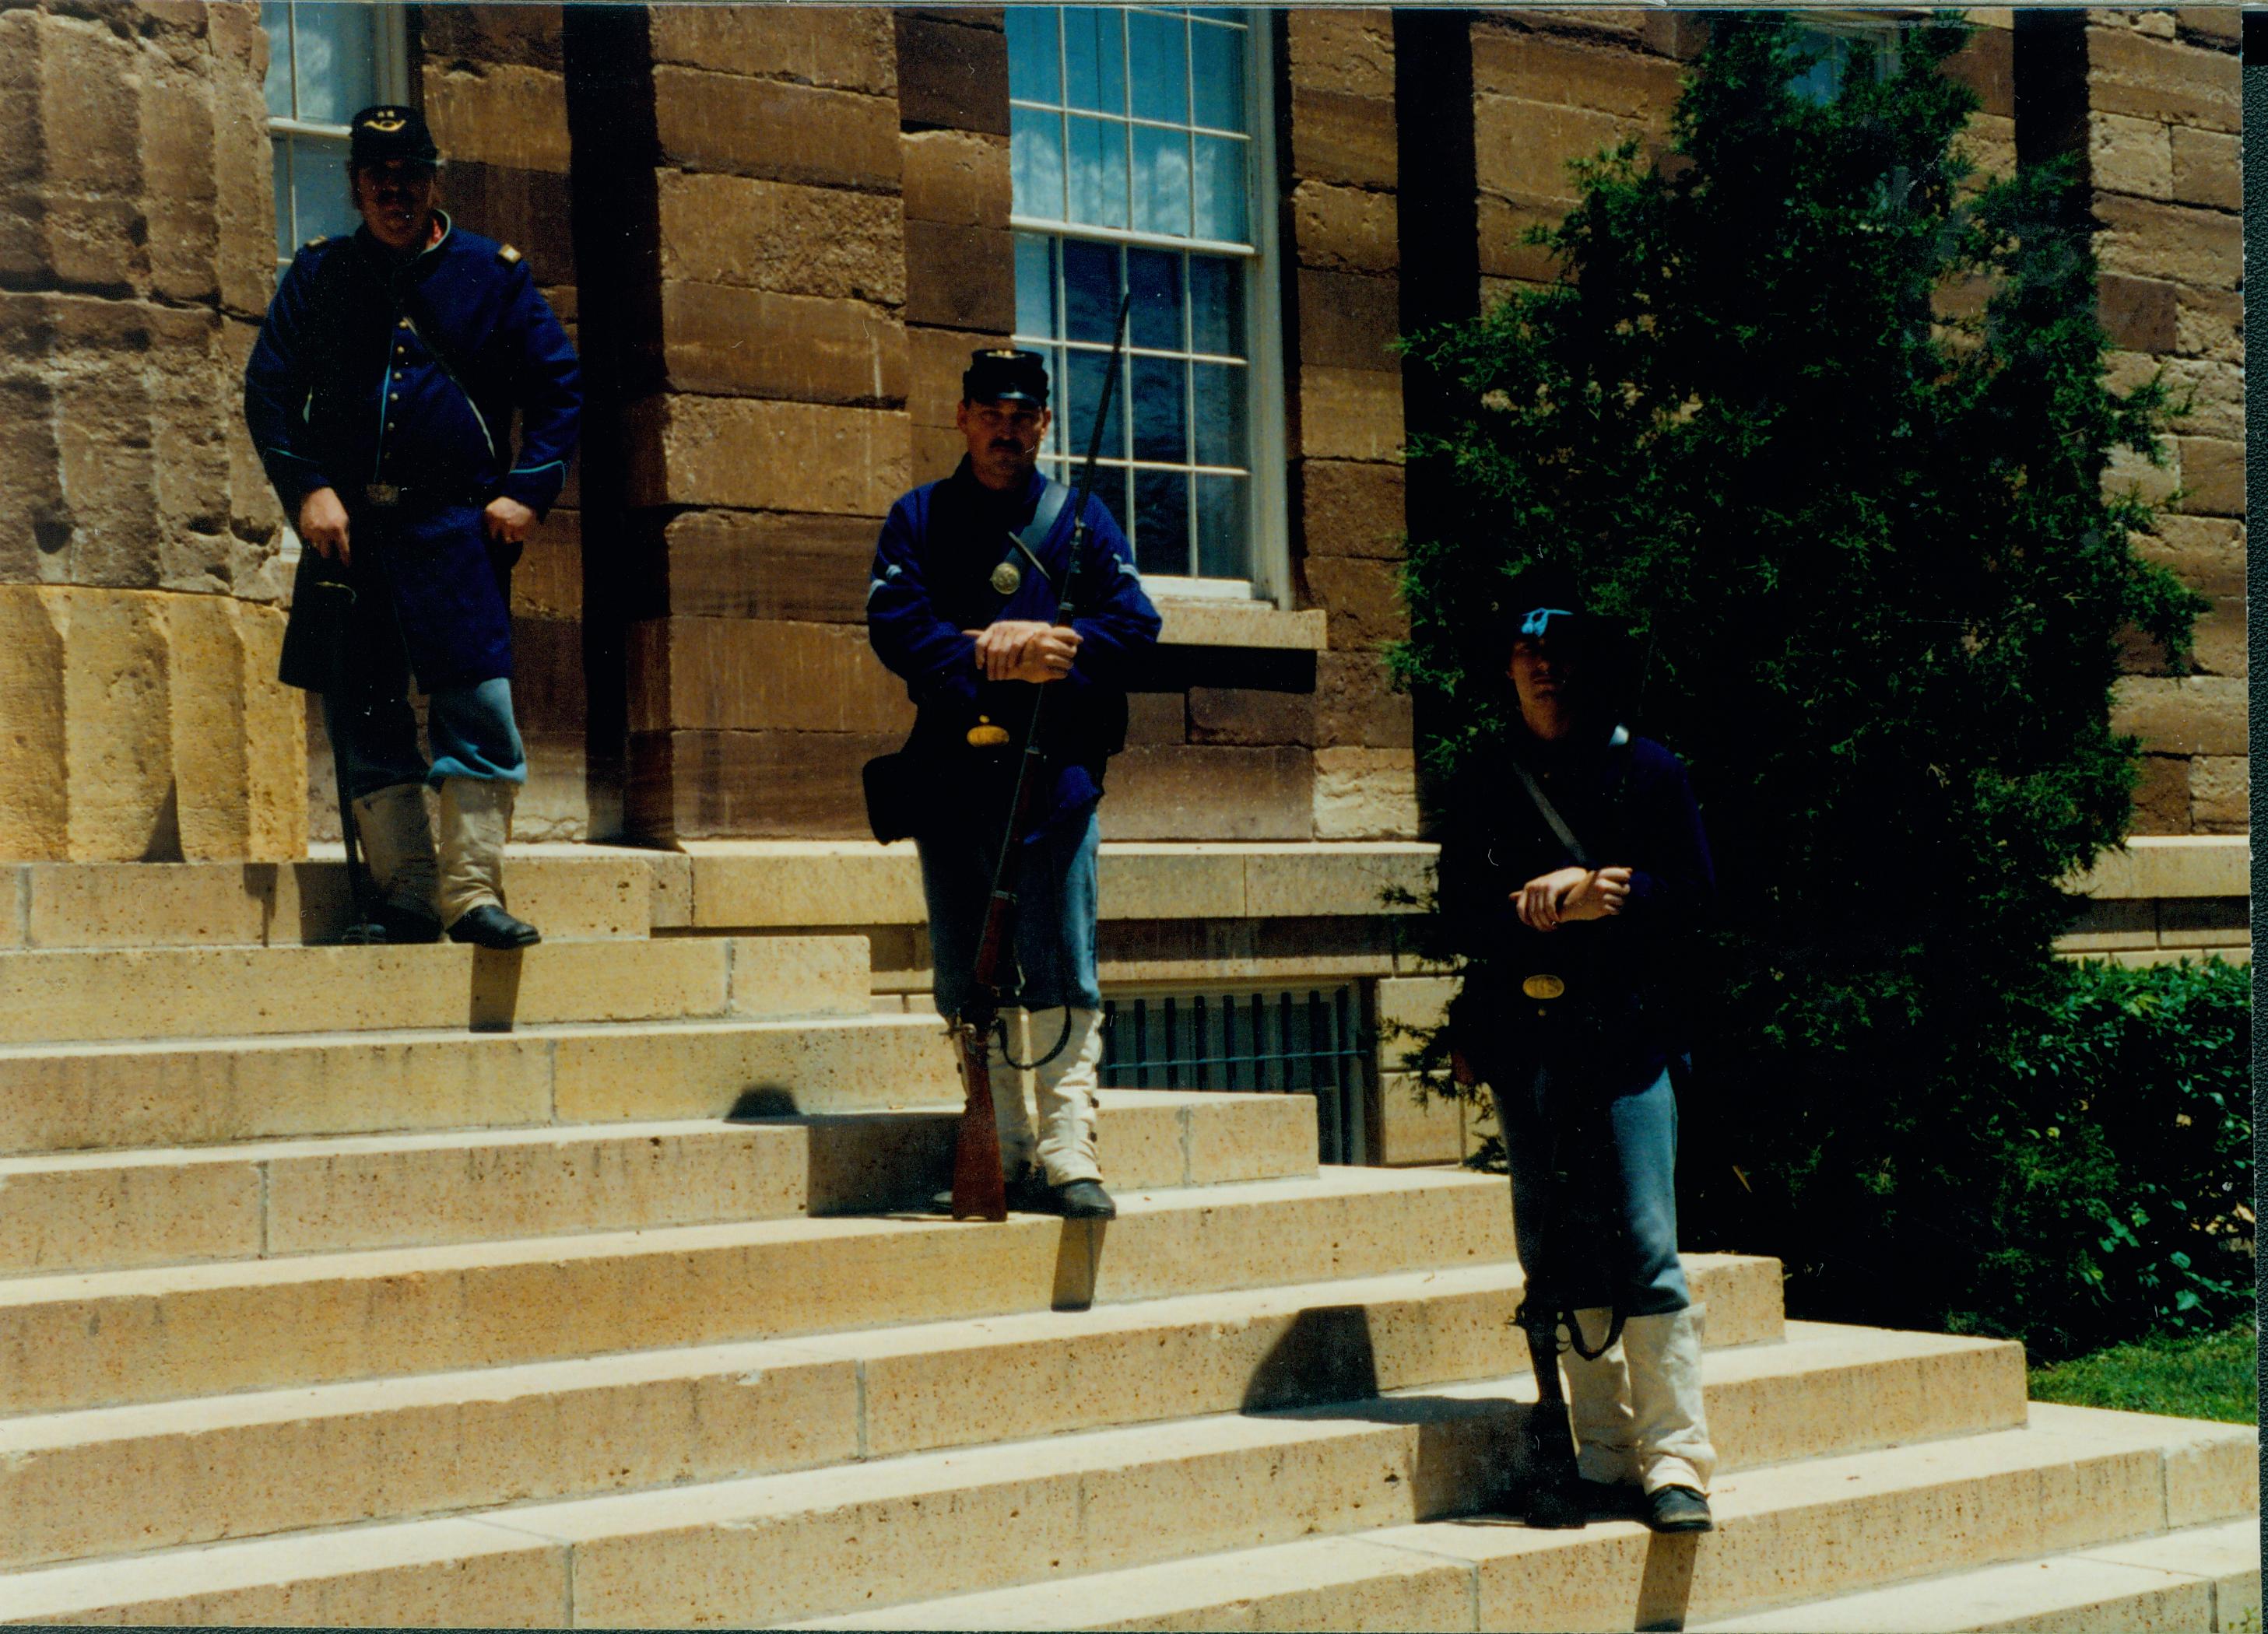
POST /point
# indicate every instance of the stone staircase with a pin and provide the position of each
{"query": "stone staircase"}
(585, 1287)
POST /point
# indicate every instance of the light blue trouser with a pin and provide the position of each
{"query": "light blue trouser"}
(1636, 1185)
(472, 730)
(1051, 953)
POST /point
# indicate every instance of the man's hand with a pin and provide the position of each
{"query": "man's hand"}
(323, 524)
(507, 520)
(1566, 895)
(1023, 649)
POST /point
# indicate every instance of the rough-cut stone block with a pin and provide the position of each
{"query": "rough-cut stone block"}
(2220, 638)
(749, 674)
(1414, 1128)
(2205, 168)
(527, 36)
(775, 130)
(1193, 792)
(547, 582)
(957, 177)
(2207, 552)
(2162, 795)
(936, 450)
(118, 725)
(2129, 73)
(530, 210)
(1348, 320)
(1219, 621)
(844, 47)
(1154, 718)
(694, 785)
(2174, 241)
(238, 735)
(1345, 229)
(767, 456)
(1522, 149)
(2128, 473)
(1238, 716)
(721, 341)
(2213, 476)
(2210, 323)
(1505, 251)
(2130, 156)
(733, 565)
(2220, 793)
(1987, 65)
(2139, 315)
(938, 357)
(952, 75)
(34, 807)
(514, 117)
(1351, 508)
(1355, 706)
(778, 236)
(1349, 414)
(1350, 51)
(1366, 794)
(2201, 715)
(961, 278)
(1573, 73)
(1337, 138)
(1362, 596)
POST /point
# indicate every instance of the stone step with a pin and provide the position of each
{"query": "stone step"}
(169, 1206)
(2198, 1578)
(113, 1337)
(866, 1537)
(571, 893)
(2070, 1480)
(205, 992)
(77, 1097)
(204, 1470)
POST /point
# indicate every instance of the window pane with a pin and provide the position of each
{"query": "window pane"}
(319, 185)
(1035, 163)
(1217, 76)
(1094, 59)
(1216, 307)
(1161, 181)
(1034, 73)
(1083, 389)
(276, 18)
(1053, 441)
(1091, 286)
(1098, 171)
(1035, 285)
(1161, 67)
(1160, 415)
(1155, 279)
(1161, 521)
(1219, 390)
(335, 74)
(1222, 527)
(1219, 189)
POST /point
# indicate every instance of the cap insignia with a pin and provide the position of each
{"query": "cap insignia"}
(386, 124)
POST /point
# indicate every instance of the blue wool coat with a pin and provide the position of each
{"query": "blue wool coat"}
(931, 581)
(370, 372)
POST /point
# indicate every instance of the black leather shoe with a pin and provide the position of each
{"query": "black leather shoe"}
(1084, 1200)
(406, 925)
(490, 926)
(1678, 1509)
(1028, 1193)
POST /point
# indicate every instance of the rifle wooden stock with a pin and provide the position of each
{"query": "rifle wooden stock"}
(979, 1191)
(1551, 1499)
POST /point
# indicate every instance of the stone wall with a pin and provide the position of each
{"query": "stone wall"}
(2162, 99)
(139, 713)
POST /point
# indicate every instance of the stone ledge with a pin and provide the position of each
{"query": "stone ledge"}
(2190, 864)
(1203, 621)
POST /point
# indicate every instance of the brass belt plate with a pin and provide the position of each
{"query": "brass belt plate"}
(1543, 987)
(381, 493)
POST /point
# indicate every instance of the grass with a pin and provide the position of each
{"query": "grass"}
(2213, 1376)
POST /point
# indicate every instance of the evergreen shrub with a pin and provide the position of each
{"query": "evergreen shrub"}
(1821, 419)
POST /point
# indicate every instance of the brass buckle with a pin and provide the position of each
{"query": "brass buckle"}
(1543, 987)
(381, 493)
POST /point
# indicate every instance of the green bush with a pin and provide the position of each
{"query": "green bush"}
(1824, 424)
(2124, 1192)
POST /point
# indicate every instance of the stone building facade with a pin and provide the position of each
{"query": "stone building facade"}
(777, 231)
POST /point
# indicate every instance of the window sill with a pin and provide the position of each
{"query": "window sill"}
(1215, 622)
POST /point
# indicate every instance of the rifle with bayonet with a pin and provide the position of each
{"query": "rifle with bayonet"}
(979, 1189)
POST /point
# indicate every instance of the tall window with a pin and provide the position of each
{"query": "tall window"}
(1829, 39)
(1135, 134)
(325, 61)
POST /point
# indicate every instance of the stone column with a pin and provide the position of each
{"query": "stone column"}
(140, 717)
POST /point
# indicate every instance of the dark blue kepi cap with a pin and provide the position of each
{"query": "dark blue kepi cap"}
(1003, 374)
(390, 131)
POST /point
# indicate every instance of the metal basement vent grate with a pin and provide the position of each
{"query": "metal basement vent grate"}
(1304, 1041)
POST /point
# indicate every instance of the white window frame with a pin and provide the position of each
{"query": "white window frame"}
(390, 63)
(1267, 513)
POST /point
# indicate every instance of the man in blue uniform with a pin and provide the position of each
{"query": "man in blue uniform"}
(968, 576)
(381, 395)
